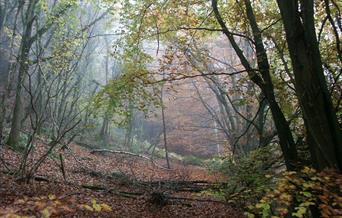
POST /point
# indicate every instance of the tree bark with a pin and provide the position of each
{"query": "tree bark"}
(26, 43)
(311, 88)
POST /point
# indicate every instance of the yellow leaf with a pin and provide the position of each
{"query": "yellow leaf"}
(87, 207)
(96, 206)
(106, 207)
(46, 213)
(57, 202)
(52, 197)
(250, 215)
(258, 206)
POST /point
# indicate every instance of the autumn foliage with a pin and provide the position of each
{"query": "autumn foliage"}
(50, 206)
(298, 192)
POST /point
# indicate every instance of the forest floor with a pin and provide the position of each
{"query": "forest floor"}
(107, 185)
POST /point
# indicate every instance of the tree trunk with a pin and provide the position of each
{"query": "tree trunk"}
(264, 81)
(311, 87)
(164, 130)
(25, 47)
(10, 71)
(104, 129)
(129, 137)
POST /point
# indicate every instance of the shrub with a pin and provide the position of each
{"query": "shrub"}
(301, 191)
(216, 164)
(192, 160)
(248, 176)
(159, 153)
(139, 146)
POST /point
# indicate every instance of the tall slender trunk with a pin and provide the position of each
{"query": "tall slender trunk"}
(164, 130)
(129, 130)
(105, 125)
(10, 71)
(25, 47)
(104, 129)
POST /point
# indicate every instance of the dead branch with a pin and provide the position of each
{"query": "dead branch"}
(118, 152)
(3, 162)
(159, 198)
(127, 153)
(113, 191)
(173, 185)
(180, 186)
(197, 200)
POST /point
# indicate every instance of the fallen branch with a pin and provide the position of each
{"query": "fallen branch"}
(41, 179)
(197, 200)
(159, 198)
(94, 187)
(118, 152)
(35, 178)
(162, 199)
(3, 162)
(112, 191)
(174, 185)
(127, 153)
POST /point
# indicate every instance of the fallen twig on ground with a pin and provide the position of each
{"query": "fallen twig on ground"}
(128, 153)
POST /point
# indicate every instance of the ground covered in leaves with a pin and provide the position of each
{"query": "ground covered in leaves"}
(107, 185)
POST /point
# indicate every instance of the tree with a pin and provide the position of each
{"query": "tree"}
(164, 128)
(264, 81)
(311, 88)
(234, 113)
(30, 14)
(169, 23)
